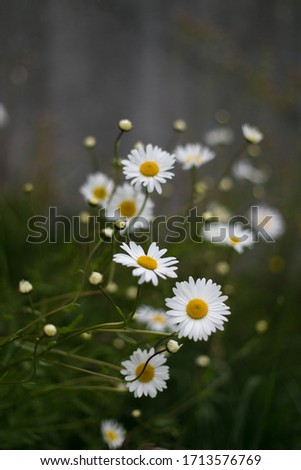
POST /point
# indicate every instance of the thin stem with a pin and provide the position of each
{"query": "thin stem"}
(118, 310)
(87, 371)
(143, 204)
(112, 266)
(88, 360)
(136, 302)
(193, 182)
(145, 365)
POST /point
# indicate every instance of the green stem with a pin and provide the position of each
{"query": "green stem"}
(118, 310)
(87, 371)
(136, 302)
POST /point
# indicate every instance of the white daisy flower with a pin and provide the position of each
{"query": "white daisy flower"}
(193, 155)
(197, 309)
(231, 235)
(148, 167)
(251, 134)
(269, 219)
(219, 136)
(154, 318)
(152, 379)
(148, 266)
(243, 169)
(98, 187)
(113, 433)
(128, 203)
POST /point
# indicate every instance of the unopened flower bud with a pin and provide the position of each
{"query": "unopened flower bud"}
(125, 125)
(136, 413)
(107, 232)
(50, 330)
(95, 278)
(84, 217)
(179, 125)
(28, 188)
(173, 346)
(203, 361)
(25, 287)
(120, 224)
(86, 336)
(112, 287)
(89, 142)
(261, 326)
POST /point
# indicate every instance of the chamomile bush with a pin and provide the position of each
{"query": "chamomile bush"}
(137, 324)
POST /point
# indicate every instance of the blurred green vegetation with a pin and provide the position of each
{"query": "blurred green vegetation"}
(248, 397)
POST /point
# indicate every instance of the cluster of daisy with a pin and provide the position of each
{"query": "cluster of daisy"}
(198, 307)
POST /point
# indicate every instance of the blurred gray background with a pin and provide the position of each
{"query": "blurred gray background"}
(71, 68)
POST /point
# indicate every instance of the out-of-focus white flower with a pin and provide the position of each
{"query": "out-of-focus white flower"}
(149, 379)
(97, 189)
(180, 125)
(202, 361)
(219, 136)
(148, 267)
(243, 169)
(127, 202)
(252, 134)
(154, 318)
(231, 235)
(89, 142)
(149, 167)
(193, 155)
(269, 219)
(113, 433)
(197, 310)
(4, 117)
(112, 287)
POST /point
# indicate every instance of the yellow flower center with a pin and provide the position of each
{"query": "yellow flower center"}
(111, 435)
(147, 262)
(99, 192)
(197, 309)
(128, 208)
(148, 373)
(159, 319)
(149, 169)
(234, 240)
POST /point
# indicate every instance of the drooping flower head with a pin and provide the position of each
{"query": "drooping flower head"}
(193, 155)
(98, 188)
(145, 378)
(270, 219)
(197, 310)
(148, 167)
(252, 134)
(113, 433)
(147, 266)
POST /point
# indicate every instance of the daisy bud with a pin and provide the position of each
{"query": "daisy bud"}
(28, 188)
(112, 288)
(95, 278)
(252, 134)
(222, 268)
(131, 292)
(118, 343)
(136, 413)
(261, 326)
(139, 144)
(173, 346)
(125, 125)
(25, 287)
(117, 163)
(120, 224)
(179, 125)
(89, 142)
(202, 361)
(86, 336)
(225, 184)
(84, 217)
(107, 232)
(50, 330)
